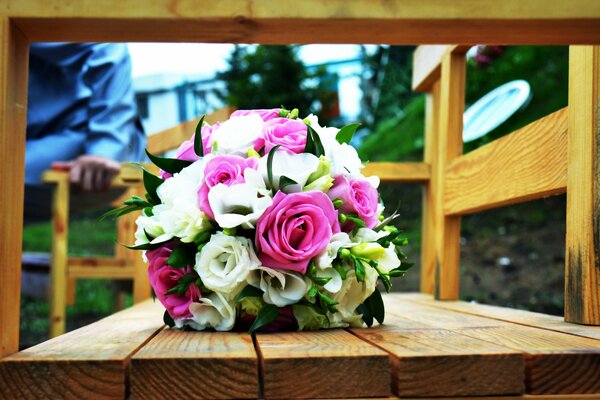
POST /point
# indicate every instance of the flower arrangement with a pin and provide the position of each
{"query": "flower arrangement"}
(264, 221)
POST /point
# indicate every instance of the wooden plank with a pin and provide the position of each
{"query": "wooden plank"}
(393, 22)
(14, 55)
(427, 64)
(88, 363)
(582, 271)
(427, 265)
(141, 282)
(213, 365)
(522, 317)
(555, 363)
(439, 362)
(449, 146)
(399, 171)
(326, 364)
(527, 164)
(58, 261)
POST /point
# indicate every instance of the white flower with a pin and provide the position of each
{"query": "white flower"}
(297, 167)
(237, 134)
(237, 205)
(351, 295)
(147, 226)
(337, 241)
(225, 262)
(280, 287)
(213, 311)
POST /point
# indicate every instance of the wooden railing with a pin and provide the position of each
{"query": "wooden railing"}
(337, 21)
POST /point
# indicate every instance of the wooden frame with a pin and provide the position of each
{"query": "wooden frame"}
(309, 21)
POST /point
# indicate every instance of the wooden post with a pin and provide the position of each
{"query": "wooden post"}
(58, 266)
(141, 283)
(449, 145)
(582, 273)
(14, 58)
(432, 107)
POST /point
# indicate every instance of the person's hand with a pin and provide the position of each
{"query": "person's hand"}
(90, 173)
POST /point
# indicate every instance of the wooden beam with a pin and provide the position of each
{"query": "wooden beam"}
(527, 164)
(100, 268)
(427, 64)
(399, 172)
(582, 273)
(449, 146)
(257, 21)
(14, 56)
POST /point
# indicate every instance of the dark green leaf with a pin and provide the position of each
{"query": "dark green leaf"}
(267, 314)
(137, 201)
(327, 302)
(359, 269)
(367, 316)
(321, 280)
(345, 134)
(168, 320)
(313, 142)
(182, 256)
(151, 183)
(375, 305)
(117, 212)
(284, 181)
(270, 164)
(340, 270)
(170, 165)
(249, 291)
(198, 146)
(145, 246)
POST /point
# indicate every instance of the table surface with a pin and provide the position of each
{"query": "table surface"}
(424, 349)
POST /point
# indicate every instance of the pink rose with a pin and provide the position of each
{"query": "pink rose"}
(163, 278)
(294, 229)
(225, 169)
(186, 149)
(359, 198)
(289, 133)
(265, 114)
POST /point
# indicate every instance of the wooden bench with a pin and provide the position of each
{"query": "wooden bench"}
(425, 349)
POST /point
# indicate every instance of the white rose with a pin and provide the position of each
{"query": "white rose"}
(225, 262)
(337, 241)
(280, 287)
(237, 134)
(237, 205)
(297, 167)
(184, 221)
(213, 311)
(148, 226)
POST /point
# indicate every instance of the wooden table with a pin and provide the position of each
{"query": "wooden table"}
(425, 349)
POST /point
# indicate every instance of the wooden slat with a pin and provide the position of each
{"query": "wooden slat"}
(427, 265)
(58, 262)
(326, 364)
(393, 22)
(582, 273)
(430, 362)
(13, 113)
(523, 317)
(527, 164)
(141, 282)
(88, 363)
(449, 146)
(427, 64)
(399, 171)
(199, 365)
(556, 363)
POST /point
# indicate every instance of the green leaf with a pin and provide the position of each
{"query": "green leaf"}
(249, 291)
(267, 314)
(401, 270)
(313, 142)
(182, 256)
(137, 201)
(313, 291)
(321, 280)
(340, 270)
(270, 165)
(367, 316)
(198, 146)
(168, 320)
(145, 246)
(284, 181)
(345, 134)
(170, 165)
(117, 212)
(359, 269)
(151, 183)
(375, 305)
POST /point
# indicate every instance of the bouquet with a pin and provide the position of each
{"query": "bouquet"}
(264, 221)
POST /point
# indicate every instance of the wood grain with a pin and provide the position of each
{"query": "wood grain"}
(449, 146)
(13, 113)
(326, 364)
(427, 265)
(438, 362)
(427, 64)
(88, 363)
(399, 171)
(527, 164)
(522, 317)
(582, 271)
(555, 363)
(58, 261)
(213, 365)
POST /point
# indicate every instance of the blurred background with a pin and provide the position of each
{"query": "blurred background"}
(512, 256)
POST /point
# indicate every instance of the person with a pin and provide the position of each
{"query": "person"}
(82, 117)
